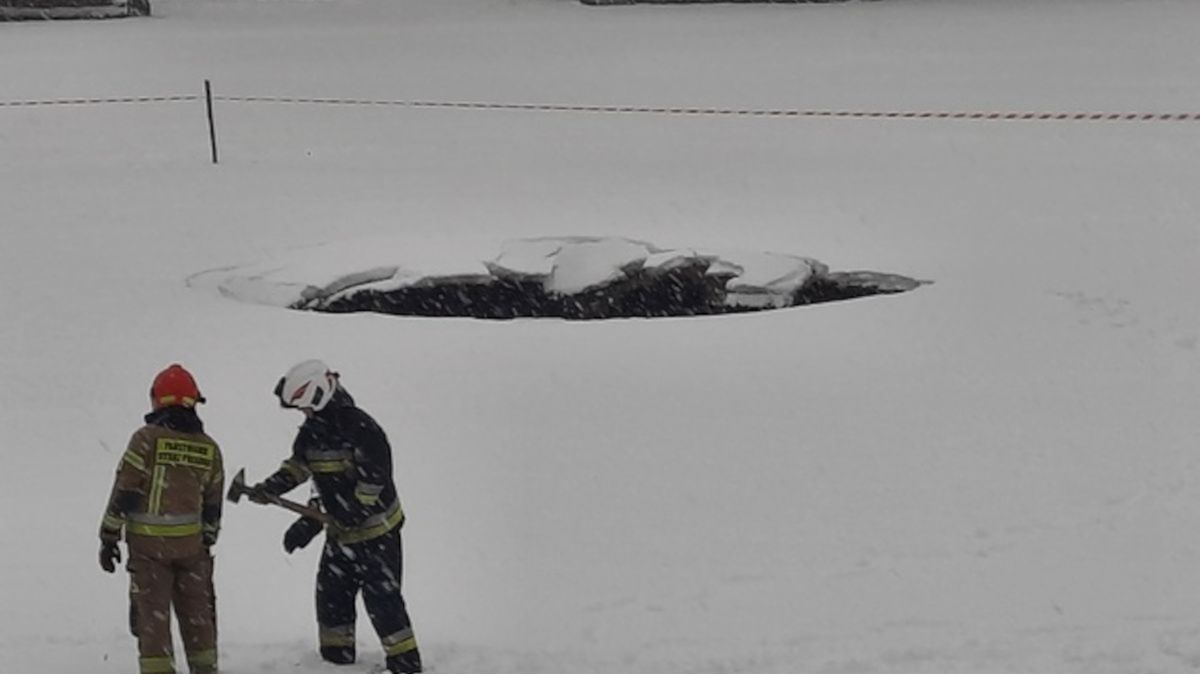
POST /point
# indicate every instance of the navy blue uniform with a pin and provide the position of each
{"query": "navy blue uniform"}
(349, 459)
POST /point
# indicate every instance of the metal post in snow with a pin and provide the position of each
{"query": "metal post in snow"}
(212, 129)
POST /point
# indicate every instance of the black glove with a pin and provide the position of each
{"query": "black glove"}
(209, 538)
(258, 494)
(110, 555)
(300, 534)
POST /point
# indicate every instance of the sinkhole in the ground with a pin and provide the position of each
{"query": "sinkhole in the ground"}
(584, 278)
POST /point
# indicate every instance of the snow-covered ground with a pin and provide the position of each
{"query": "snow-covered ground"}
(995, 473)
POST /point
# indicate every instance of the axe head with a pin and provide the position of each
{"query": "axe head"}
(237, 487)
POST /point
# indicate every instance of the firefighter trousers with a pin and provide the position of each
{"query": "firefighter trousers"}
(375, 568)
(156, 586)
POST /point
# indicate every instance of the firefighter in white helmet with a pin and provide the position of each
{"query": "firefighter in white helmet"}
(347, 456)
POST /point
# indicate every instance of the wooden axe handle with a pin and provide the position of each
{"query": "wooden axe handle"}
(238, 489)
(301, 509)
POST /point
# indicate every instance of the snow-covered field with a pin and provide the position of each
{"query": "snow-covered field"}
(997, 472)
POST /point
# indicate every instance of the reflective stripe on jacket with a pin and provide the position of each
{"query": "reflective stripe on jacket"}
(372, 527)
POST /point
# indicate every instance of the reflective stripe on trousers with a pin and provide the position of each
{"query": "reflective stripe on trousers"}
(159, 664)
(399, 642)
(338, 635)
(203, 661)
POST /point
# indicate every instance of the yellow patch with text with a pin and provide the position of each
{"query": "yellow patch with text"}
(175, 452)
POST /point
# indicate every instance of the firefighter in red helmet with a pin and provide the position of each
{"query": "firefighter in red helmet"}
(166, 500)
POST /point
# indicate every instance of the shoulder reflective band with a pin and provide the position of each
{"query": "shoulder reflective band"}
(367, 493)
(331, 455)
(297, 471)
(331, 461)
(134, 460)
(330, 466)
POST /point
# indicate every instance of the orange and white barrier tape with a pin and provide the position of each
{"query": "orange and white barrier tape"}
(648, 110)
(98, 101)
(738, 112)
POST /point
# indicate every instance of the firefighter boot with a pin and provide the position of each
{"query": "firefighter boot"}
(408, 662)
(338, 655)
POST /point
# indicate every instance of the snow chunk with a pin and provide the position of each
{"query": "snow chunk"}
(593, 264)
(407, 278)
(673, 259)
(763, 280)
(569, 265)
(525, 258)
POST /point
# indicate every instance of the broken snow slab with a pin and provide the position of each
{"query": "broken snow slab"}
(562, 277)
(317, 274)
(566, 266)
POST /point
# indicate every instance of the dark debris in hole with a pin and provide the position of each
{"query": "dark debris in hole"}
(687, 290)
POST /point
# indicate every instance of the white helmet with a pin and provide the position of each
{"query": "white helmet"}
(309, 384)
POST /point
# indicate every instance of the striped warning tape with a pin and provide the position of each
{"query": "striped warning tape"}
(734, 112)
(647, 110)
(98, 101)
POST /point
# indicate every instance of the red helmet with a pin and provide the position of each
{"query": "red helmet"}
(174, 386)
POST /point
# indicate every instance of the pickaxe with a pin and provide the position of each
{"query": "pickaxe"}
(238, 489)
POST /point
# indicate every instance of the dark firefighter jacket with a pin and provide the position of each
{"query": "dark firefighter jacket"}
(168, 489)
(348, 457)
